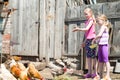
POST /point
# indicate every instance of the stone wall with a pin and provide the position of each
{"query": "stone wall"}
(7, 33)
(6, 38)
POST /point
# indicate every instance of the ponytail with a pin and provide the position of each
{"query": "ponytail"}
(94, 19)
(108, 24)
(105, 19)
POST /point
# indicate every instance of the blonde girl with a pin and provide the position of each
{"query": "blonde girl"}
(103, 52)
(89, 35)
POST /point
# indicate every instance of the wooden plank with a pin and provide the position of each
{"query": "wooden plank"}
(77, 13)
(57, 31)
(23, 27)
(66, 39)
(51, 20)
(73, 13)
(58, 25)
(33, 29)
(63, 32)
(27, 29)
(115, 49)
(47, 33)
(109, 9)
(72, 40)
(14, 29)
(118, 9)
(42, 34)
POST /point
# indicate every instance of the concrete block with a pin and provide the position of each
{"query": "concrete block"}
(39, 65)
(117, 67)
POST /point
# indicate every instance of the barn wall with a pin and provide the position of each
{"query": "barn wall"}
(38, 28)
(24, 31)
(75, 16)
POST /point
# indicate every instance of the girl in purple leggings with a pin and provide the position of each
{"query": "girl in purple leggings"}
(103, 52)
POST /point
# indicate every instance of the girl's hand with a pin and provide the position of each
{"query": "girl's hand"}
(93, 41)
(83, 45)
(75, 29)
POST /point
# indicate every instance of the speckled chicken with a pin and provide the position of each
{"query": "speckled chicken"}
(33, 72)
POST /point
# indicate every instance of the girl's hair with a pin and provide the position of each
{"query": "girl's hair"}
(90, 11)
(105, 19)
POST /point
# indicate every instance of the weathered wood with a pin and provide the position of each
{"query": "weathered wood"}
(51, 18)
(58, 27)
(118, 9)
(72, 40)
(109, 9)
(57, 30)
(25, 28)
(42, 34)
(47, 56)
(77, 13)
(115, 48)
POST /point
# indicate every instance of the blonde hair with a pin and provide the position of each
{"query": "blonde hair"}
(90, 11)
(105, 19)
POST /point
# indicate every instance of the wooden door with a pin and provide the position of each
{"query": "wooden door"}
(24, 31)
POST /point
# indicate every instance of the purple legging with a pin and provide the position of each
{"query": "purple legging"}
(103, 53)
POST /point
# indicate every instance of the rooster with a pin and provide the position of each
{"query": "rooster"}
(33, 72)
(17, 72)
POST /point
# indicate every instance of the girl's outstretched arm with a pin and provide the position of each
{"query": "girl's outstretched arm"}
(83, 29)
(87, 27)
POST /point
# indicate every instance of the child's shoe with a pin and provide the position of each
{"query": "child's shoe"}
(106, 78)
(87, 75)
(93, 75)
(97, 77)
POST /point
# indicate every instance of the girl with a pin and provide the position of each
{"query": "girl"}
(89, 35)
(103, 37)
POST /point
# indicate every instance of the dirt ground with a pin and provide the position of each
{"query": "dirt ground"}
(47, 74)
(79, 77)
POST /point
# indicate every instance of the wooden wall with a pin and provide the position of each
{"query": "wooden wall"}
(38, 28)
(24, 31)
(75, 15)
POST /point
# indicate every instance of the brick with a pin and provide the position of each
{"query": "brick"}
(6, 37)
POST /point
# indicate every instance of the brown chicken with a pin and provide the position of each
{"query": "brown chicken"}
(6, 3)
(17, 72)
(24, 75)
(16, 58)
(33, 72)
(21, 66)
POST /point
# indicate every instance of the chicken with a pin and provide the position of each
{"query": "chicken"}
(24, 75)
(59, 61)
(16, 58)
(34, 72)
(6, 3)
(17, 72)
(21, 66)
(5, 74)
